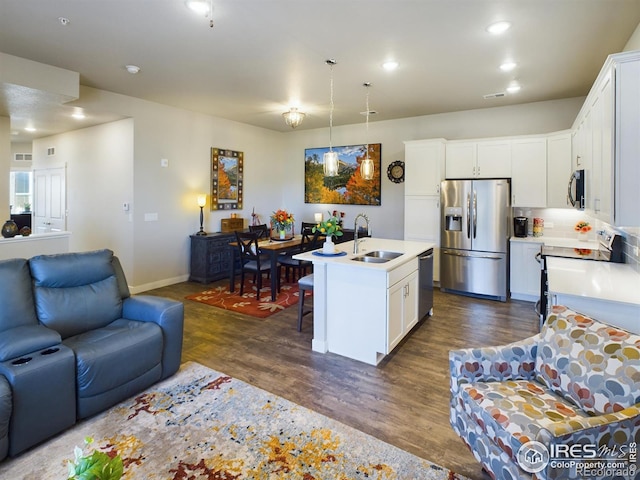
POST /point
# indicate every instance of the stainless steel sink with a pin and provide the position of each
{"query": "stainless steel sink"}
(367, 259)
(383, 254)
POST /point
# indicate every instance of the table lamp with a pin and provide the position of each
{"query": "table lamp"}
(202, 201)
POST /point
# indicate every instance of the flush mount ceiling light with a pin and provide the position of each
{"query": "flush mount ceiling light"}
(132, 69)
(330, 158)
(390, 65)
(498, 28)
(367, 166)
(508, 66)
(293, 117)
(513, 88)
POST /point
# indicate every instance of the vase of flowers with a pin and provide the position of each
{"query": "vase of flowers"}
(331, 228)
(282, 224)
(583, 228)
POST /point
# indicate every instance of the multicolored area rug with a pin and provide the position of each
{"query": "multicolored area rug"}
(203, 425)
(221, 297)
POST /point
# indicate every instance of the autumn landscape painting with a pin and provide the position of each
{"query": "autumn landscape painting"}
(347, 187)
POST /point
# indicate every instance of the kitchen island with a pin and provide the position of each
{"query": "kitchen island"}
(363, 308)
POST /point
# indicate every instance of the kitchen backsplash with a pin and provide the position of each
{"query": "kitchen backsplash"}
(560, 222)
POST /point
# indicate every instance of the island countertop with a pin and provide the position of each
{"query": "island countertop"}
(409, 250)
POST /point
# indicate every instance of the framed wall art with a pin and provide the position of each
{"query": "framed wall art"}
(347, 187)
(227, 167)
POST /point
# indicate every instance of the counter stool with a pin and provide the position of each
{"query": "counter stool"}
(304, 284)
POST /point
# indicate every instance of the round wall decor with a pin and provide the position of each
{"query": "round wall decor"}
(395, 171)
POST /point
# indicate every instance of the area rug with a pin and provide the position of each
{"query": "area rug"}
(203, 425)
(263, 307)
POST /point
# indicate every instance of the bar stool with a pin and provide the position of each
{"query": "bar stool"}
(304, 284)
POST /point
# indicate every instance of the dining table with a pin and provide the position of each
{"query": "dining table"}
(273, 247)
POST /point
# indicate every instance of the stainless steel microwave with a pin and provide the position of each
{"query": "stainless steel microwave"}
(576, 189)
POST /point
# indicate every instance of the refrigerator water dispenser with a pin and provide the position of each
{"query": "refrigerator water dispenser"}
(453, 219)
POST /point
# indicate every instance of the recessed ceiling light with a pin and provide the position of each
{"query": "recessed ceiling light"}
(64, 21)
(201, 7)
(498, 27)
(132, 69)
(30, 129)
(508, 66)
(513, 88)
(390, 65)
(78, 115)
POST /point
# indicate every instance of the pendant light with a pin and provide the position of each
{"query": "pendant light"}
(367, 166)
(330, 159)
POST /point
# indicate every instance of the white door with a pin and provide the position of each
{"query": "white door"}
(50, 212)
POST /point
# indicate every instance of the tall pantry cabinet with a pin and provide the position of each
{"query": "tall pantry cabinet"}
(424, 170)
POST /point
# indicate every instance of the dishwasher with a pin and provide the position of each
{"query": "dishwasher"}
(425, 281)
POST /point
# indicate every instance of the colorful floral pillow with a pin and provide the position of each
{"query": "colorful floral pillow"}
(594, 365)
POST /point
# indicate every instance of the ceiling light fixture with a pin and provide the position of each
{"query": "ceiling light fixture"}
(498, 28)
(513, 88)
(367, 167)
(64, 21)
(78, 115)
(390, 65)
(508, 66)
(132, 69)
(202, 7)
(30, 129)
(293, 117)
(330, 158)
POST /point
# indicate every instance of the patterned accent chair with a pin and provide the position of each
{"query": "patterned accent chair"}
(577, 381)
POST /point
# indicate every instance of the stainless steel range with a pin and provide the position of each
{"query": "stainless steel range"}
(609, 250)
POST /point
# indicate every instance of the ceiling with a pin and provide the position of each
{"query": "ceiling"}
(262, 56)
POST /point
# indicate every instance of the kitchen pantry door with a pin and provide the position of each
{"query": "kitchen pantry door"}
(50, 201)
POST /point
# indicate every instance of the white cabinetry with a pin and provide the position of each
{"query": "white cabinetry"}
(525, 270)
(424, 166)
(424, 170)
(558, 169)
(402, 301)
(478, 159)
(606, 142)
(529, 172)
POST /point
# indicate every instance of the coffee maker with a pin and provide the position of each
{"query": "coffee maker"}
(520, 226)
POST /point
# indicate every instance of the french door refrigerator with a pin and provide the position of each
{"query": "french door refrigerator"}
(474, 237)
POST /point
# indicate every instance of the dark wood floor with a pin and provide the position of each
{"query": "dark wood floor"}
(403, 401)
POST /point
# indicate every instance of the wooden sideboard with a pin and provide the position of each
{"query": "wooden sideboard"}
(211, 257)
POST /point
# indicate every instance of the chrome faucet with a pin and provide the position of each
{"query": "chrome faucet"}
(356, 242)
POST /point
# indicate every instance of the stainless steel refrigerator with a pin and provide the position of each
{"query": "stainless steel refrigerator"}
(474, 237)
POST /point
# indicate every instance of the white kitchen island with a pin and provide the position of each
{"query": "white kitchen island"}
(362, 310)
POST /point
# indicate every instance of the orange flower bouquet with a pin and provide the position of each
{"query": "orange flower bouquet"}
(281, 220)
(582, 227)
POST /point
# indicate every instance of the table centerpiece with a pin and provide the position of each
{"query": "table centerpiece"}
(282, 225)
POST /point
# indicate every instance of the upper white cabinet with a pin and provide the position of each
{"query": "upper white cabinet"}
(558, 169)
(529, 172)
(424, 166)
(478, 159)
(606, 142)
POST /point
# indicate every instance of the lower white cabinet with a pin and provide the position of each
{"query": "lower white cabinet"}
(525, 270)
(402, 315)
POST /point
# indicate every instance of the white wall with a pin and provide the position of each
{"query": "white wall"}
(634, 41)
(5, 167)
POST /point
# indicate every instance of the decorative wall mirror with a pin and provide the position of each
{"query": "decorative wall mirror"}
(227, 168)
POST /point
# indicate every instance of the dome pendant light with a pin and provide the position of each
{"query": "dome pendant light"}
(367, 166)
(330, 159)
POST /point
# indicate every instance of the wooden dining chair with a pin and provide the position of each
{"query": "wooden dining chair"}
(252, 261)
(291, 264)
(262, 230)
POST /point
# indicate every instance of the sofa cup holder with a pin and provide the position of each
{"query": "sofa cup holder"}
(49, 351)
(21, 361)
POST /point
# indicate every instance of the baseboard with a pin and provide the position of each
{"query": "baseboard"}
(160, 283)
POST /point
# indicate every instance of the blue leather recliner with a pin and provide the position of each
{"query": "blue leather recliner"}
(75, 338)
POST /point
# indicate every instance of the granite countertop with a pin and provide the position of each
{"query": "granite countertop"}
(616, 282)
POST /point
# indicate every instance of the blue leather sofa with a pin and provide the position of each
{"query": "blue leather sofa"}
(74, 342)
